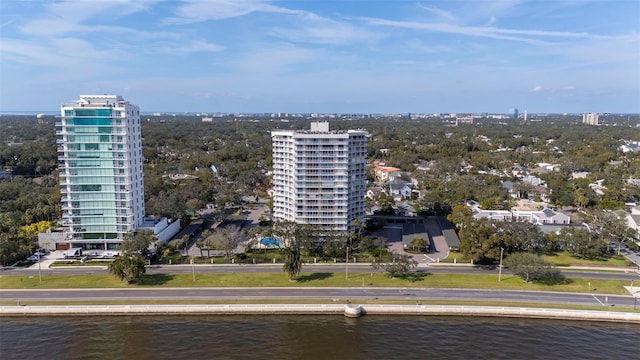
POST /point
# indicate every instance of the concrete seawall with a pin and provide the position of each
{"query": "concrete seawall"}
(313, 309)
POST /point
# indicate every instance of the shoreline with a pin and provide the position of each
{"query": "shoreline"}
(319, 309)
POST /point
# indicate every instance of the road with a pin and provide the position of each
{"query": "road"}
(310, 268)
(335, 294)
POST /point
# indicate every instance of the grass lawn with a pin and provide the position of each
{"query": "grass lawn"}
(560, 259)
(454, 256)
(310, 280)
(566, 259)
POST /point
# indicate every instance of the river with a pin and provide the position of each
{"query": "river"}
(313, 337)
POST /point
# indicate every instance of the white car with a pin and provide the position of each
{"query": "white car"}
(35, 257)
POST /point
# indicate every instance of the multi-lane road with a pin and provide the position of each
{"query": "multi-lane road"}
(353, 293)
(309, 268)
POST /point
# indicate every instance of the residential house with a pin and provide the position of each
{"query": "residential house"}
(533, 180)
(519, 170)
(545, 216)
(384, 174)
(633, 219)
(400, 189)
(631, 146)
(508, 185)
(375, 192)
(494, 215)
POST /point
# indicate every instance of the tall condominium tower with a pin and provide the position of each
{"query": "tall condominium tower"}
(101, 170)
(319, 176)
(590, 118)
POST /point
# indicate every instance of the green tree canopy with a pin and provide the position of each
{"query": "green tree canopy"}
(530, 266)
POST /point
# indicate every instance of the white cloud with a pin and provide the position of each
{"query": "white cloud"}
(418, 46)
(442, 14)
(537, 88)
(311, 28)
(527, 36)
(184, 48)
(203, 10)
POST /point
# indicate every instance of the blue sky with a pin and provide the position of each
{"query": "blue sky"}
(324, 56)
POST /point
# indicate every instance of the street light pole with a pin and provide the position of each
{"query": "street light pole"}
(500, 268)
(39, 267)
(193, 268)
(346, 272)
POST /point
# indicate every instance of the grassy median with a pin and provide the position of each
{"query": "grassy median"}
(463, 281)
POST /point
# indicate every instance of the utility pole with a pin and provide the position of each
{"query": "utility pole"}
(500, 268)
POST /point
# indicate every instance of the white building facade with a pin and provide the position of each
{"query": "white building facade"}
(590, 118)
(101, 179)
(319, 176)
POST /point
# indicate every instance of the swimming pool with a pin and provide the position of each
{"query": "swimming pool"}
(271, 242)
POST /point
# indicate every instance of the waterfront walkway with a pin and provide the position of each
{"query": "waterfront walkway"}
(307, 309)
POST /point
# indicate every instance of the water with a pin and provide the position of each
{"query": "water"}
(313, 337)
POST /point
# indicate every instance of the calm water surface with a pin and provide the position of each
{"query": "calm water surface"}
(313, 337)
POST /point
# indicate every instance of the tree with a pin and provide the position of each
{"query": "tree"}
(612, 228)
(227, 239)
(333, 248)
(291, 249)
(582, 243)
(400, 265)
(476, 241)
(285, 231)
(370, 243)
(205, 243)
(530, 266)
(292, 261)
(460, 214)
(137, 242)
(420, 244)
(128, 266)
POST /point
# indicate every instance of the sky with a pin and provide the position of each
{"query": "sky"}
(324, 56)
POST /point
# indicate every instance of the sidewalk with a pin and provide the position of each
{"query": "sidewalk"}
(626, 269)
(47, 260)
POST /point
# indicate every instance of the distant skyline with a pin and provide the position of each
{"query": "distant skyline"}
(352, 56)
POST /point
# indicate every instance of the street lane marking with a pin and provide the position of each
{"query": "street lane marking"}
(598, 300)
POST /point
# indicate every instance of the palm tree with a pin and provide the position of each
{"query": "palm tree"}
(292, 261)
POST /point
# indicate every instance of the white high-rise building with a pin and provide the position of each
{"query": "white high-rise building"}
(590, 118)
(319, 176)
(100, 146)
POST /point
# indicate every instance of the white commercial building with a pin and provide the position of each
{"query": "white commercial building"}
(100, 146)
(319, 176)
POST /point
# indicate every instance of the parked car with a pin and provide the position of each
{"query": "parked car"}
(35, 257)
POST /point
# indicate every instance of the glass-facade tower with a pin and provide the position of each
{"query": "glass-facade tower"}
(100, 147)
